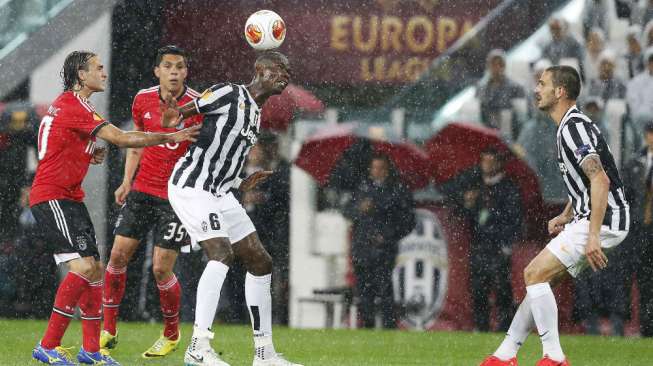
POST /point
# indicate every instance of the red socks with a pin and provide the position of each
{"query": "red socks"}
(114, 289)
(68, 295)
(90, 305)
(115, 280)
(170, 298)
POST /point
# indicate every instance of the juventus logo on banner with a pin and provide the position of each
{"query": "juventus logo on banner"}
(421, 272)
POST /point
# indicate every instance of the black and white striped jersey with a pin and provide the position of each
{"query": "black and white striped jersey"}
(230, 129)
(578, 138)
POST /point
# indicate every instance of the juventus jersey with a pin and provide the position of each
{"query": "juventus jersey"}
(577, 139)
(230, 129)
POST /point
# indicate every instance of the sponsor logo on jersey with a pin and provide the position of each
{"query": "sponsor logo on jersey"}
(249, 135)
(147, 115)
(421, 273)
(205, 226)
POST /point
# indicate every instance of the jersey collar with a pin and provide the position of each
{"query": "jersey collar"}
(158, 92)
(565, 118)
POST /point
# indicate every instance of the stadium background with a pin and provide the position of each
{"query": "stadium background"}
(397, 89)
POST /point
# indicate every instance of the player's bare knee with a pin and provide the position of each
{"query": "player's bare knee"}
(161, 272)
(98, 271)
(218, 250)
(260, 265)
(119, 258)
(533, 274)
(84, 267)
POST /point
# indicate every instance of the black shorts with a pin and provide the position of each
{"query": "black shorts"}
(67, 227)
(143, 213)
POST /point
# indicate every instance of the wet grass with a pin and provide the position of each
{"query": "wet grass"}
(335, 347)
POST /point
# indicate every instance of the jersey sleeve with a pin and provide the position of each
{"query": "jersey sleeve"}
(215, 98)
(581, 139)
(137, 115)
(85, 121)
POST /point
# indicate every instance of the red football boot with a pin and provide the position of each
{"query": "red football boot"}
(546, 361)
(494, 361)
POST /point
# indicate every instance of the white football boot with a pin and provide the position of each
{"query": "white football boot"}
(200, 352)
(276, 360)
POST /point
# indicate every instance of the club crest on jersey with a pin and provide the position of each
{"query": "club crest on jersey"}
(147, 115)
(205, 226)
(82, 243)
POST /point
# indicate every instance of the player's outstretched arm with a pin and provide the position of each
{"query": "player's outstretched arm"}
(122, 138)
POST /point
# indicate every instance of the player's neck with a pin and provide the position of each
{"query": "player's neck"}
(257, 93)
(560, 110)
(175, 93)
(84, 92)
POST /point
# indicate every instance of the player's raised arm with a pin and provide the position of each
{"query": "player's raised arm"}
(122, 138)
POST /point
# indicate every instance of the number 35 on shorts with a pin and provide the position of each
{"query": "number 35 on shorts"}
(175, 230)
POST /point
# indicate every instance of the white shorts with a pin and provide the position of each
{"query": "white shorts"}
(206, 216)
(569, 245)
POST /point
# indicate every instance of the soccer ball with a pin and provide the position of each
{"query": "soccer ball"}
(265, 30)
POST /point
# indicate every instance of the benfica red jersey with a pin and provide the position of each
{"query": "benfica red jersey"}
(65, 148)
(158, 161)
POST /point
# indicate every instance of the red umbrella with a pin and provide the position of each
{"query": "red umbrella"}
(344, 155)
(457, 148)
(279, 110)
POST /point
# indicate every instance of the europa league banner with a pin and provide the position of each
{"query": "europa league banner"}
(344, 42)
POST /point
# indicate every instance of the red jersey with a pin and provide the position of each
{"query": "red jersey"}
(65, 148)
(158, 161)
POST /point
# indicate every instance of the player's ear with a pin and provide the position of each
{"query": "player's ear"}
(156, 71)
(557, 91)
(81, 75)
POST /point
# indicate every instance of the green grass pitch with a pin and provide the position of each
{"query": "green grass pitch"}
(335, 347)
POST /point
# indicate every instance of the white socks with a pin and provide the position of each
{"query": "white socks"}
(259, 304)
(520, 327)
(208, 294)
(545, 314)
